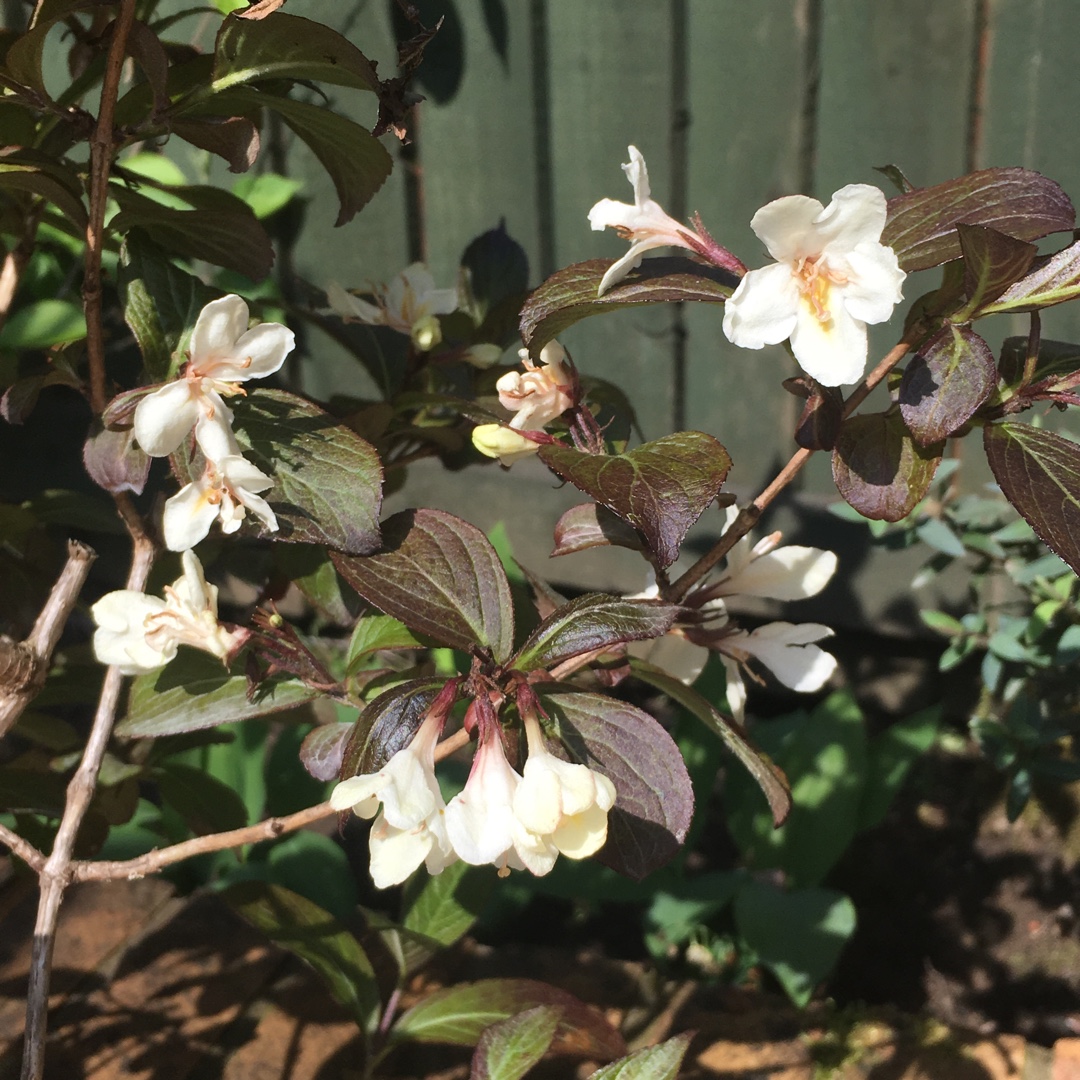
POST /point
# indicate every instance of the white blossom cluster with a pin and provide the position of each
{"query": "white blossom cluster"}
(509, 819)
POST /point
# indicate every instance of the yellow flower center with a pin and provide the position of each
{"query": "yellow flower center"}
(814, 279)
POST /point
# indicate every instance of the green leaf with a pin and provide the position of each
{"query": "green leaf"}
(1039, 472)
(891, 755)
(327, 480)
(43, 323)
(921, 226)
(824, 757)
(267, 193)
(660, 488)
(508, 1049)
(315, 867)
(569, 295)
(323, 750)
(442, 908)
(57, 185)
(375, 632)
(798, 935)
(942, 623)
(948, 379)
(441, 577)
(284, 46)
(309, 568)
(459, 1015)
(161, 304)
(937, 534)
(591, 622)
(654, 801)
(235, 139)
(992, 262)
(588, 525)
(660, 1062)
(195, 691)
(204, 802)
(1053, 281)
(879, 469)
(314, 935)
(766, 774)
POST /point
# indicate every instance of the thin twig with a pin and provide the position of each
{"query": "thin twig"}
(101, 152)
(23, 848)
(16, 693)
(749, 515)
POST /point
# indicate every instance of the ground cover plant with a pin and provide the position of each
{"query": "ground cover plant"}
(489, 727)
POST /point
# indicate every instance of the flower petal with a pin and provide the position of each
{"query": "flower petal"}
(188, 516)
(788, 573)
(833, 349)
(855, 216)
(787, 650)
(120, 638)
(218, 327)
(735, 688)
(763, 310)
(258, 353)
(875, 283)
(787, 227)
(583, 834)
(396, 853)
(163, 418)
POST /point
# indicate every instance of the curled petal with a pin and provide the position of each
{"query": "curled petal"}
(120, 638)
(348, 306)
(496, 441)
(258, 353)
(163, 418)
(219, 325)
(786, 227)
(788, 573)
(789, 652)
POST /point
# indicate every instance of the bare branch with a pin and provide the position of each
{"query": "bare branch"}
(22, 848)
(24, 665)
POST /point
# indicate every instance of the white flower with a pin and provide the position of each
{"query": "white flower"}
(645, 223)
(140, 633)
(561, 803)
(225, 491)
(831, 278)
(787, 650)
(410, 828)
(223, 353)
(409, 304)
(480, 819)
(497, 441)
(542, 393)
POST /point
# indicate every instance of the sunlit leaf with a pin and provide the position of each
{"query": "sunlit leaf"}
(591, 622)
(655, 800)
(441, 577)
(946, 381)
(661, 1062)
(43, 323)
(375, 632)
(323, 750)
(589, 525)
(570, 294)
(660, 488)
(508, 1049)
(921, 227)
(992, 262)
(879, 469)
(1039, 472)
(1053, 281)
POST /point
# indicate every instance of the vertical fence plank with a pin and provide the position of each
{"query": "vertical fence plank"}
(747, 75)
(610, 80)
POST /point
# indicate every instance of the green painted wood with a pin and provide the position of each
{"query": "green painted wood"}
(741, 155)
(610, 85)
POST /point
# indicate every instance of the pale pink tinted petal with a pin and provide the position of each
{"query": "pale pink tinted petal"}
(638, 175)
(832, 351)
(789, 573)
(763, 309)
(217, 328)
(188, 516)
(608, 213)
(258, 353)
(855, 216)
(874, 285)
(163, 418)
(396, 853)
(260, 508)
(786, 227)
(788, 652)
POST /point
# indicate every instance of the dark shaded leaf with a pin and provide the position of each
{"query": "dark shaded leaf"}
(588, 526)
(819, 424)
(387, 725)
(661, 1062)
(234, 138)
(507, 1050)
(114, 460)
(1053, 281)
(161, 304)
(43, 323)
(798, 934)
(891, 755)
(309, 568)
(149, 53)
(921, 227)
(195, 691)
(441, 577)
(459, 1015)
(323, 750)
(896, 175)
(654, 798)
(879, 469)
(660, 488)
(569, 295)
(759, 765)
(56, 184)
(497, 268)
(1057, 365)
(287, 47)
(591, 622)
(1039, 472)
(314, 935)
(206, 804)
(992, 262)
(946, 381)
